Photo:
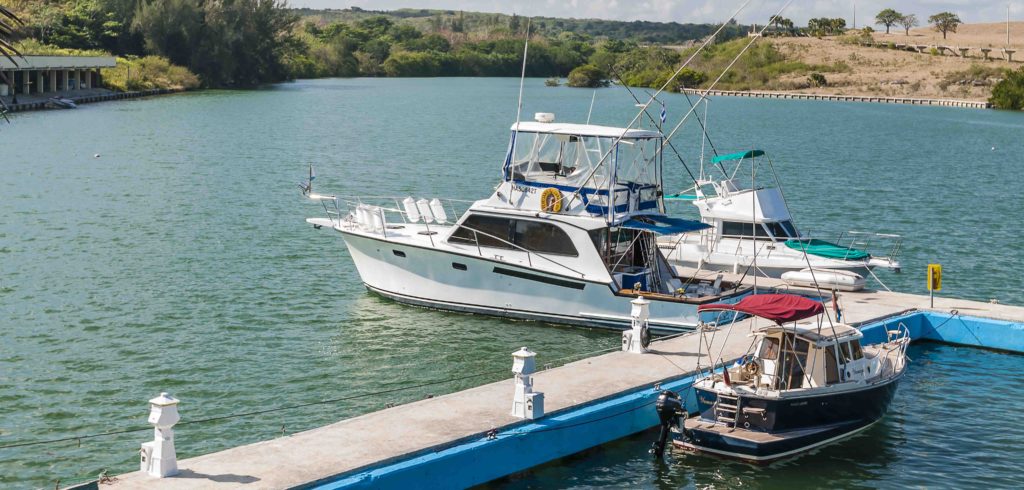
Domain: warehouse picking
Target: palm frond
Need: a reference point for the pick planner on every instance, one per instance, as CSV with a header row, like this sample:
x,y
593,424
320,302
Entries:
x,y
8,21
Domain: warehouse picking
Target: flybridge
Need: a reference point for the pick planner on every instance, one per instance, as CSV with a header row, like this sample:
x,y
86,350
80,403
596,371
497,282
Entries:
x,y
587,169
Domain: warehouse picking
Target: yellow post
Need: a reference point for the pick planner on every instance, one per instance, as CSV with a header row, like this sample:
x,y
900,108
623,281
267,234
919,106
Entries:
x,y
934,281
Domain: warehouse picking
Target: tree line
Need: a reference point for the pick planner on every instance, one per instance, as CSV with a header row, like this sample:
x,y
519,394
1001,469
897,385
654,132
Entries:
x,y
241,43
943,22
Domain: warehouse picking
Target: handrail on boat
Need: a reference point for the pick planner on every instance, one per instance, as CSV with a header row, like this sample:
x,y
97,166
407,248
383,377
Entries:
x,y
866,239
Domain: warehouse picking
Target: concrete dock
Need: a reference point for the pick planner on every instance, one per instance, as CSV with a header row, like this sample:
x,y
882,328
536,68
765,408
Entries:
x,y
469,437
86,96
760,94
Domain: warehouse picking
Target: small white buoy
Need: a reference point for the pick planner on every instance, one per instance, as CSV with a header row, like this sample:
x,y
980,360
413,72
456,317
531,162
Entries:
x,y
96,155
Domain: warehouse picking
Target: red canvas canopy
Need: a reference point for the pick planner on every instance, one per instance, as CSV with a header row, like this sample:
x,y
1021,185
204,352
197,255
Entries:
x,y
778,308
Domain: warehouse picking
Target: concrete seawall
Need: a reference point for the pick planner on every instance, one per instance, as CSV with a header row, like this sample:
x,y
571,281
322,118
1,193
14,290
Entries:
x,y
971,104
36,105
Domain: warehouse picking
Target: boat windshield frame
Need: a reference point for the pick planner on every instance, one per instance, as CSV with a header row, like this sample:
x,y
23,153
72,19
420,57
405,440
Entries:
x,y
594,162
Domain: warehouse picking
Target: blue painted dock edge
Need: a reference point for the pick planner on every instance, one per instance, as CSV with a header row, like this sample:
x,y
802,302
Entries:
x,y
484,458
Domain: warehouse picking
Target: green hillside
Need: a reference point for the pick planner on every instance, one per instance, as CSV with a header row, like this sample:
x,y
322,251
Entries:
x,y
490,24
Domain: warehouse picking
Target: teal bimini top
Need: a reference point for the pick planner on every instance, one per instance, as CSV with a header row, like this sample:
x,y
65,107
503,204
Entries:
x,y
737,156
821,248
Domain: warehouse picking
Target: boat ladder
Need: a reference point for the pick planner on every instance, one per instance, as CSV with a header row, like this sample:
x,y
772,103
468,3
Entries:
x,y
726,408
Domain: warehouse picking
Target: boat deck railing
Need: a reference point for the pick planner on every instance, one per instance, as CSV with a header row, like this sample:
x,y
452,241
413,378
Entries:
x,y
888,246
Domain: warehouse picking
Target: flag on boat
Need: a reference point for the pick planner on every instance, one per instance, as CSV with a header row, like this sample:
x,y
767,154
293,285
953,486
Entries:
x,y
663,113
307,187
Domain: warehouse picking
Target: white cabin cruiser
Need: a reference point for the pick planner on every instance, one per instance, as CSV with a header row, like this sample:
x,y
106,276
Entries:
x,y
801,385
568,236
751,231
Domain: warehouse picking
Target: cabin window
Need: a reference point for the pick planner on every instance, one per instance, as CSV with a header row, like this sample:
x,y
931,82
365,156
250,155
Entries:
x,y
618,247
543,237
534,236
851,351
769,349
492,232
781,229
831,366
794,361
738,229
855,349
790,229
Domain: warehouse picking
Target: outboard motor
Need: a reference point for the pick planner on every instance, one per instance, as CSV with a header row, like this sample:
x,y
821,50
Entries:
x,y
670,409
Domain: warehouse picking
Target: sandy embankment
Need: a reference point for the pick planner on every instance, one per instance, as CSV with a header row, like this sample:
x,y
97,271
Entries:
x,y
894,73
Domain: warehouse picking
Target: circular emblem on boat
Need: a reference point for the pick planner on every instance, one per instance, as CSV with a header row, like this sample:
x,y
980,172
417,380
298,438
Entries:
x,y
551,200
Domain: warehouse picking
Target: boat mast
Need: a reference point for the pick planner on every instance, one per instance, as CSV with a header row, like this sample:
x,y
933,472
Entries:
x,y
522,79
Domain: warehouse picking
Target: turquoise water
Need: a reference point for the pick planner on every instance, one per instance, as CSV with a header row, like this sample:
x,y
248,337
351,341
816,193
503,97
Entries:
x,y
178,260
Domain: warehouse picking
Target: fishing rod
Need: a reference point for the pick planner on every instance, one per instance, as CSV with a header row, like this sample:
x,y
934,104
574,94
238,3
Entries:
x,y
643,109
704,95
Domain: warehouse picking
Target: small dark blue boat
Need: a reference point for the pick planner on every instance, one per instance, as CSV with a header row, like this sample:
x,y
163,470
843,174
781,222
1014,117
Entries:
x,y
801,386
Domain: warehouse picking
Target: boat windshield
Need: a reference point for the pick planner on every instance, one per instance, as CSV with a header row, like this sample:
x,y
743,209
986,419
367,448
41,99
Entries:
x,y
630,168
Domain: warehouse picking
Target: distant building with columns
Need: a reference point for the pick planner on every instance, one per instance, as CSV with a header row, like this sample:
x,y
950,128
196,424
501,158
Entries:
x,y
32,75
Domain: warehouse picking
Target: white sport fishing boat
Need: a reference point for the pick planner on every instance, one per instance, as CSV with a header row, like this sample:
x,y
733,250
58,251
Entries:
x,y
568,236
751,231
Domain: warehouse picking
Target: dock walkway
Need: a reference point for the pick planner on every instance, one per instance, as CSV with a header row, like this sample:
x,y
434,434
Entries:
x,y
395,436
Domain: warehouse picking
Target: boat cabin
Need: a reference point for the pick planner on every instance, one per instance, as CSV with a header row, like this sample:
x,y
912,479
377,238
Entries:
x,y
800,355
806,356
589,198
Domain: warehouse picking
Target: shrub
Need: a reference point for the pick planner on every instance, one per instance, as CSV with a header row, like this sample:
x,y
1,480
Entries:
x,y
146,73
587,76
817,80
1009,92
413,64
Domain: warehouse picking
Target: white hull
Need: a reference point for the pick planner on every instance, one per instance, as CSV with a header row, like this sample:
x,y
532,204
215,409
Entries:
x,y
737,256
430,277
825,278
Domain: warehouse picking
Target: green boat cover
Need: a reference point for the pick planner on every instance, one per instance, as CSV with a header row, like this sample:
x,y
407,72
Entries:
x,y
682,197
737,156
821,248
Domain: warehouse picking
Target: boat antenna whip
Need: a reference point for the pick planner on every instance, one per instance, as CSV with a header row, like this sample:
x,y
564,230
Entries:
x,y
708,90
522,79
643,109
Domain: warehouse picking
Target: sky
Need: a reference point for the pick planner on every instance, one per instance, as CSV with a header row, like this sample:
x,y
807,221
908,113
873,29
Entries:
x,y
700,11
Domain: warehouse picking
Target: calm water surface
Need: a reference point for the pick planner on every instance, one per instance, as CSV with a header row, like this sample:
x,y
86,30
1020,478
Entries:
x,y
178,260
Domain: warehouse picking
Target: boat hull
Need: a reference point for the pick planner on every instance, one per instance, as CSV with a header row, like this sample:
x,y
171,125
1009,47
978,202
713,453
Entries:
x,y
450,281
773,260
764,452
777,428
763,269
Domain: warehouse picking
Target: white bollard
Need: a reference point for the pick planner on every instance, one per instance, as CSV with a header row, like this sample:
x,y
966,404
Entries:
x,y
525,403
637,338
157,457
